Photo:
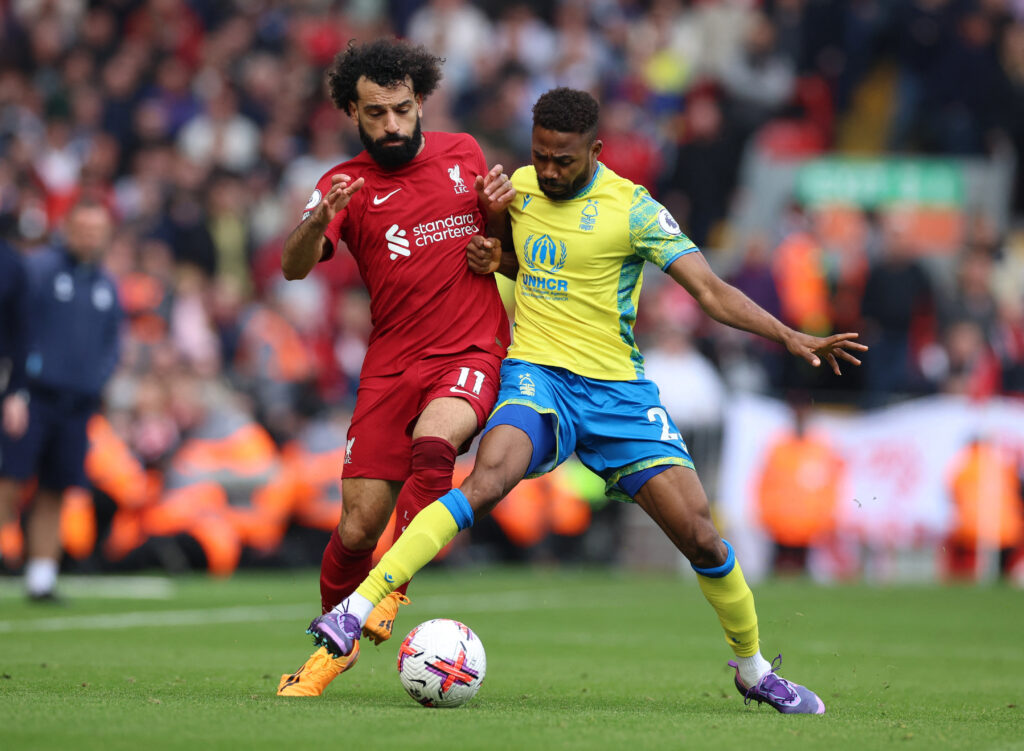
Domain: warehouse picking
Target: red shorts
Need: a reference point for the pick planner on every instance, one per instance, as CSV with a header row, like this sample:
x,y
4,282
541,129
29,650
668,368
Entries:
x,y
380,436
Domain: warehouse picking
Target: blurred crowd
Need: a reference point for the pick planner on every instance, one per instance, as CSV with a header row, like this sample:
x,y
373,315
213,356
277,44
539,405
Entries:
x,y
204,126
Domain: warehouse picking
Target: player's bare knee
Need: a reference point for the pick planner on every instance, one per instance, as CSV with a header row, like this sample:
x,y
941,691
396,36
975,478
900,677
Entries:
x,y
360,532
483,489
708,550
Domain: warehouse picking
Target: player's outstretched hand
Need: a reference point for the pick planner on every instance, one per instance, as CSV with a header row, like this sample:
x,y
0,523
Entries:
x,y
495,190
833,348
341,192
483,254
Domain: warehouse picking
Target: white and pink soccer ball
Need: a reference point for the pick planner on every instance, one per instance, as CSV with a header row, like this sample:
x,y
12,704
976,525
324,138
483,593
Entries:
x,y
442,663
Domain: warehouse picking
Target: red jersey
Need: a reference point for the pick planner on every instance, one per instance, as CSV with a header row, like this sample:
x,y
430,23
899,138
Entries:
x,y
408,229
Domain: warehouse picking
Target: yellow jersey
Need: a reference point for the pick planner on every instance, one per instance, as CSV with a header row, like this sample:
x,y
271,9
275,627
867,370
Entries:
x,y
580,271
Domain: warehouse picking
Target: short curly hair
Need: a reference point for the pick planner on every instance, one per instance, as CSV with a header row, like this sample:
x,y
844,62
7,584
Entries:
x,y
567,111
386,62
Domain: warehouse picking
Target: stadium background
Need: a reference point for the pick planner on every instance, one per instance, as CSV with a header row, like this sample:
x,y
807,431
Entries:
x,y
850,165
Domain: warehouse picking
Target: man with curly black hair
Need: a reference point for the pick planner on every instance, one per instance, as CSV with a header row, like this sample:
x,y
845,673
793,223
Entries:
x,y
574,381
407,208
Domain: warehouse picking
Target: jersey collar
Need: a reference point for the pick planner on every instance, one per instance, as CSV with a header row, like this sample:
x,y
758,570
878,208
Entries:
x,y
589,186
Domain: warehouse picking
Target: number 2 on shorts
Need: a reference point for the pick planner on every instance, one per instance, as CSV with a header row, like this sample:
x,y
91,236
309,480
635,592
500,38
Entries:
x,y
657,413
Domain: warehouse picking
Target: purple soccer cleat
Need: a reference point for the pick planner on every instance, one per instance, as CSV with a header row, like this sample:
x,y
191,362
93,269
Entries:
x,y
336,632
786,696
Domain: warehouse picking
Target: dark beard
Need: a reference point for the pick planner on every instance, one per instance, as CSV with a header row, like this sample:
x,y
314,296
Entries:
x,y
569,191
392,156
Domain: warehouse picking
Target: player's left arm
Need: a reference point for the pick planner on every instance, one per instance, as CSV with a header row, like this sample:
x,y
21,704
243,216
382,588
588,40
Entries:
x,y
730,306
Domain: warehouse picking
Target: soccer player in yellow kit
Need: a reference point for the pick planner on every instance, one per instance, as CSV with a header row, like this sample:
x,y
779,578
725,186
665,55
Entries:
x,y
574,380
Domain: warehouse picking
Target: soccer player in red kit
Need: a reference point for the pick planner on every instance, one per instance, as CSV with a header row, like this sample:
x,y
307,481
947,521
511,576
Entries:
x,y
407,208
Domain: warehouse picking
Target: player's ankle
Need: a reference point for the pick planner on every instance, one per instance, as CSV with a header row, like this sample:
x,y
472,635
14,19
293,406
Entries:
x,y
357,605
752,668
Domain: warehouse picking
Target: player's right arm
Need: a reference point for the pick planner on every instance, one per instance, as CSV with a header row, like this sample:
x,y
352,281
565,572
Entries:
x,y
728,305
493,255
486,255
307,244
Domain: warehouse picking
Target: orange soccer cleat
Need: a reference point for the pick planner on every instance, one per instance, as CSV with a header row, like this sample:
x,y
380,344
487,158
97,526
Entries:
x,y
314,675
382,619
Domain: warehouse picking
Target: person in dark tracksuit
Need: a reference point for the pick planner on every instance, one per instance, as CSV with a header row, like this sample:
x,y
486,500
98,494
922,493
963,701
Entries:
x,y
13,317
70,349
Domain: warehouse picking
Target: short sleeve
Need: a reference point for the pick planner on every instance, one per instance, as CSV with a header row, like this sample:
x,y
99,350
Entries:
x,y
653,232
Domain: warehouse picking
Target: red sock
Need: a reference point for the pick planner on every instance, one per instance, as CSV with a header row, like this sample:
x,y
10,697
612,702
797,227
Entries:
x,y
341,571
433,461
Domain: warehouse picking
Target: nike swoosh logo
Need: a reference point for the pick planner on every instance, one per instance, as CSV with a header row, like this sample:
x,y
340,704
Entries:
x,y
457,390
378,200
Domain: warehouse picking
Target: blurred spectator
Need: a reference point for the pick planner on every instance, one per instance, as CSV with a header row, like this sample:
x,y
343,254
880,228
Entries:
x,y
12,314
661,53
524,40
273,364
154,433
758,79
985,488
972,325
229,228
456,30
962,98
72,344
799,268
184,227
354,325
698,183
898,307
973,298
631,149
583,58
1011,96
692,391
172,95
756,279
504,125
220,135
927,29
191,327
145,286
971,369
798,492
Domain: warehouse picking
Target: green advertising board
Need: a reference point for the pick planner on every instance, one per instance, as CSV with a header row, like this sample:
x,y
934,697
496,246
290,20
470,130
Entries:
x,y
879,182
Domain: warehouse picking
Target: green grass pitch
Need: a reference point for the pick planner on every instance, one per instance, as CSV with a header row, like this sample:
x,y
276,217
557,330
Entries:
x,y
577,659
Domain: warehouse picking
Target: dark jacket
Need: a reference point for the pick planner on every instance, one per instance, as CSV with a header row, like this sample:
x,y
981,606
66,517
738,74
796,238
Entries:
x,y
73,342
13,303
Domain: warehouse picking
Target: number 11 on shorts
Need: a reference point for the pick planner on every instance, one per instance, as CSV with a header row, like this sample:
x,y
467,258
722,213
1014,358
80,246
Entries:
x,y
478,382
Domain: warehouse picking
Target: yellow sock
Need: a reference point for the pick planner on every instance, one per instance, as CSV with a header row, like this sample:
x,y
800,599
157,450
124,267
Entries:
x,y
732,599
432,529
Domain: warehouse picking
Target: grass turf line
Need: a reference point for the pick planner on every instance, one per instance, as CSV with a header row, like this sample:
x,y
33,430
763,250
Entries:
x,y
577,659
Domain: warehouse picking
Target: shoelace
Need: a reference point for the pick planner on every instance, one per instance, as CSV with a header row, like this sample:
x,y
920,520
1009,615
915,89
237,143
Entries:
x,y
772,686
350,625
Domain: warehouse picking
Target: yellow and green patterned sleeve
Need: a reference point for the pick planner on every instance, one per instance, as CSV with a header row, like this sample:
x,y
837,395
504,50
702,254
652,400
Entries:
x,y
654,233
